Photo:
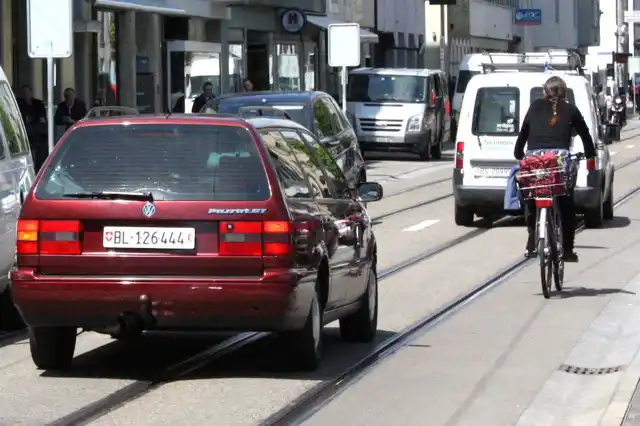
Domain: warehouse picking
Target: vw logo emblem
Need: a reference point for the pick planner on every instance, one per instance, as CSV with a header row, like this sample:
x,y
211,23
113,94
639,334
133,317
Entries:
x,y
148,210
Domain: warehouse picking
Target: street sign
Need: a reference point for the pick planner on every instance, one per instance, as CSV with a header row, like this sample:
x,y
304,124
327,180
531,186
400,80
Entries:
x,y
344,45
50,28
632,16
50,35
528,17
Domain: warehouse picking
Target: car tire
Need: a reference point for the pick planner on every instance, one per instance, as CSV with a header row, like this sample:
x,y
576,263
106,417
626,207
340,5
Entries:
x,y
425,153
52,348
304,347
463,215
436,150
594,218
10,318
362,325
608,206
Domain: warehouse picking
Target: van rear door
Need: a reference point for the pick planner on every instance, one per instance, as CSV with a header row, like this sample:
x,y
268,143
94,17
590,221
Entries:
x,y
495,124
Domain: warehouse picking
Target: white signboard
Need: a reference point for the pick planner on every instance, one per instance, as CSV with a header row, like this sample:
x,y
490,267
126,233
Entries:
x,y
344,45
50,33
634,65
632,16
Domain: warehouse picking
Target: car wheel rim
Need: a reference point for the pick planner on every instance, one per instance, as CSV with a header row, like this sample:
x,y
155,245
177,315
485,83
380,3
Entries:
x,y
315,320
373,285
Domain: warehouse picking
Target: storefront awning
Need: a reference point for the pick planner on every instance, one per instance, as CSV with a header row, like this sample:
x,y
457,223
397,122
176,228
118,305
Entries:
x,y
194,8
324,22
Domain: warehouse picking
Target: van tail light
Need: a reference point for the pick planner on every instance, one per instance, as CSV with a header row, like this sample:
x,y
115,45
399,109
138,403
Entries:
x,y
447,107
49,237
459,155
270,238
433,98
543,203
591,164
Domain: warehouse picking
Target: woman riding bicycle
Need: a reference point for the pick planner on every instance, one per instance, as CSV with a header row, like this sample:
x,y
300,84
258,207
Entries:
x,y
548,126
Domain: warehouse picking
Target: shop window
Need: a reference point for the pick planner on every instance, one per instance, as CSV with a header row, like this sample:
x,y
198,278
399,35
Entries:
x,y
106,89
236,67
288,67
310,69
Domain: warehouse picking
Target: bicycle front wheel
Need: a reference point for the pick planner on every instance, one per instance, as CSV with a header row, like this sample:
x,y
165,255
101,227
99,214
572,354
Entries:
x,y
544,253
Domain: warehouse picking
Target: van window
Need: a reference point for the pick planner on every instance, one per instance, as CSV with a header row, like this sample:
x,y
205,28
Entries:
x,y
538,93
172,161
387,88
496,111
463,79
11,122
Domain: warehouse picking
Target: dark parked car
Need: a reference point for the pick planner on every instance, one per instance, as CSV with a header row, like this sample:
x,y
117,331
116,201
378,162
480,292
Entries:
x,y
317,111
194,222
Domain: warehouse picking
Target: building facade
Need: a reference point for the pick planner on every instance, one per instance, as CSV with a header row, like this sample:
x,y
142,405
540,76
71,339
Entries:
x,y
401,27
149,53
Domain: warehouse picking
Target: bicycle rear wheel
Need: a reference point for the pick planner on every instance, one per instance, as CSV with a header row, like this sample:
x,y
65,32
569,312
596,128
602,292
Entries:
x,y
544,256
558,256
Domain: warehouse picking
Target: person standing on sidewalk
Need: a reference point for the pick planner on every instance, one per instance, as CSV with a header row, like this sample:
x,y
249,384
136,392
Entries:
x,y
34,116
71,110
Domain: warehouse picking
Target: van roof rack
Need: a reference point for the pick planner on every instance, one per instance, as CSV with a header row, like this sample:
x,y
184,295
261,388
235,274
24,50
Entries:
x,y
552,60
110,111
259,111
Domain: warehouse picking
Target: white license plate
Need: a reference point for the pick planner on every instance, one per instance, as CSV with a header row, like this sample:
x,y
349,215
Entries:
x,y
149,238
491,172
382,140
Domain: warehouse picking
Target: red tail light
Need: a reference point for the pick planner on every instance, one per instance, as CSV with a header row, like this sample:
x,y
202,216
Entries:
x,y
433,98
544,202
270,238
591,164
447,107
47,237
459,155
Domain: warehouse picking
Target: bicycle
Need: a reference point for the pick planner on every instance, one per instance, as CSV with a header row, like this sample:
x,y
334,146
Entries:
x,y
544,185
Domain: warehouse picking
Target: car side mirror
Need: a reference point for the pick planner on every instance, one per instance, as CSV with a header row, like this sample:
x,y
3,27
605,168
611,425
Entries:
x,y
369,191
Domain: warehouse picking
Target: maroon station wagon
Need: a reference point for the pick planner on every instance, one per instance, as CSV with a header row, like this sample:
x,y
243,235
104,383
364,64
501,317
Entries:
x,y
194,222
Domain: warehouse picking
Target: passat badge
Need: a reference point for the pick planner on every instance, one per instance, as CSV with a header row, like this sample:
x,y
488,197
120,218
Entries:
x,y
149,210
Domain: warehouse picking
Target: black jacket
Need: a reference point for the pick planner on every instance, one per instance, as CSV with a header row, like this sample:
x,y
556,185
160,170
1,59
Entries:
x,y
76,112
537,133
32,112
199,103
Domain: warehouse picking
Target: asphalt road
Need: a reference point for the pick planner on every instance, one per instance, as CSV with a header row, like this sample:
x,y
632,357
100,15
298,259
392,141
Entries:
x,y
494,362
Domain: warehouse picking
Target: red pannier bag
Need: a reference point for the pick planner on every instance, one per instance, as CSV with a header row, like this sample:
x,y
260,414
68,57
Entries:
x,y
551,183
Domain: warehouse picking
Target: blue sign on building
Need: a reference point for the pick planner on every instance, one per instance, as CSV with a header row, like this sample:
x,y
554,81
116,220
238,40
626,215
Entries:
x,y
528,17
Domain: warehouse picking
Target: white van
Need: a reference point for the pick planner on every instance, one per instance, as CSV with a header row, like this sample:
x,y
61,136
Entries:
x,y
16,177
493,108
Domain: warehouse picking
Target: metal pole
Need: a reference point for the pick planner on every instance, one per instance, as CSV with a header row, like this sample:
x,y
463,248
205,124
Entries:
x,y
442,38
344,89
50,84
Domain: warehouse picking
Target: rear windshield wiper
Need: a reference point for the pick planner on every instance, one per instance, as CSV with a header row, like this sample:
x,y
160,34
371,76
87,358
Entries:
x,y
133,196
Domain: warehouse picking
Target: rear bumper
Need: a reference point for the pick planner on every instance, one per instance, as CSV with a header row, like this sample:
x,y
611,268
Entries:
x,y
412,142
216,304
492,198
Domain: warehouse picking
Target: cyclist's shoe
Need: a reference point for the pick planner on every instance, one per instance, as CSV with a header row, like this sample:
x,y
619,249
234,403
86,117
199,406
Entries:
x,y
530,251
571,257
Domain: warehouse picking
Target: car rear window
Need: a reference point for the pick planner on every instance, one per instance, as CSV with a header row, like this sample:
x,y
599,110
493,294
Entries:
x,y
174,162
297,111
538,93
496,111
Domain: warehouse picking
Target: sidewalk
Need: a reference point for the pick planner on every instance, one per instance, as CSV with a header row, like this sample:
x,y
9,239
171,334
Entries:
x,y
594,385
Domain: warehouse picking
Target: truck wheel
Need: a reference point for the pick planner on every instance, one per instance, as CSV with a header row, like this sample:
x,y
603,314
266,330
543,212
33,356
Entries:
x,y
463,215
594,218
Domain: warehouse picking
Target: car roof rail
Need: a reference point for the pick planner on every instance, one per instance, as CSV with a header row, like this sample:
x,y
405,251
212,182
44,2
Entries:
x,y
108,111
552,60
259,111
